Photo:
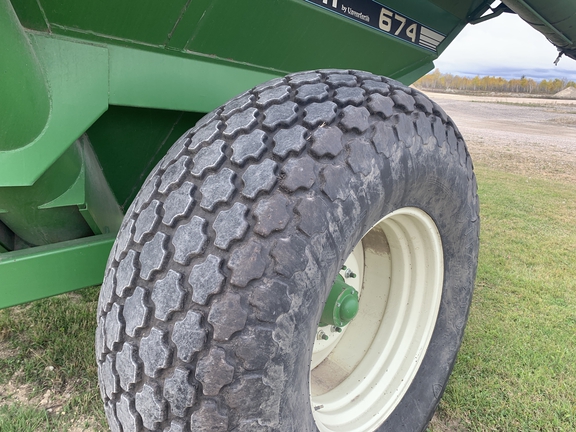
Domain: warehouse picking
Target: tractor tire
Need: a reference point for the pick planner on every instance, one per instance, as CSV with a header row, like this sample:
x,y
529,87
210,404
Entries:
x,y
209,311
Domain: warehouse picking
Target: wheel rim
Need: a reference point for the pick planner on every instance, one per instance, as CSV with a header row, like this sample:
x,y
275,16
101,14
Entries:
x,y
359,377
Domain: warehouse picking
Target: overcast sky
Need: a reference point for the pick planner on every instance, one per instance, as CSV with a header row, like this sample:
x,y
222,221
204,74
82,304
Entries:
x,y
505,46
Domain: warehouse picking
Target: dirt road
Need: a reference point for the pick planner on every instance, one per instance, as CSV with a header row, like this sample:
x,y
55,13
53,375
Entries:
x,y
535,137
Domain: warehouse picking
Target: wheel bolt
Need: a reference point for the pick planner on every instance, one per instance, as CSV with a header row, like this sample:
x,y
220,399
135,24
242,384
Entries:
x,y
322,336
349,274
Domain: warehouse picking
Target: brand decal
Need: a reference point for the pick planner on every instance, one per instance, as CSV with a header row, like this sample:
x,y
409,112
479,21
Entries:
x,y
384,19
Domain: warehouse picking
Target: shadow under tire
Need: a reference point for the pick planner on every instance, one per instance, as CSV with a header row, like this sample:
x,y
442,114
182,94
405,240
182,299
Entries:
x,y
208,315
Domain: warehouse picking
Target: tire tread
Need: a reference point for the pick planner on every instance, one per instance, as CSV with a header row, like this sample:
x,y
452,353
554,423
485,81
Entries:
x,y
199,305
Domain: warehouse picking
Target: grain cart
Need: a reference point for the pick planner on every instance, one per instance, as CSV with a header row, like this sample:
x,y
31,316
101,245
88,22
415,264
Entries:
x,y
302,257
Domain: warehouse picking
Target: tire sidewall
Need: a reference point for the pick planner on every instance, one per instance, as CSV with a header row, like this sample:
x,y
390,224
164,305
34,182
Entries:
x,y
432,179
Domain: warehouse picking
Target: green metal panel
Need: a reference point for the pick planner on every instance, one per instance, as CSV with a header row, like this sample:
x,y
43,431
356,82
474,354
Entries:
x,y
45,212
160,80
70,200
90,192
556,20
81,81
21,83
188,26
30,14
6,238
458,8
147,21
130,141
295,35
280,36
100,209
77,75
44,271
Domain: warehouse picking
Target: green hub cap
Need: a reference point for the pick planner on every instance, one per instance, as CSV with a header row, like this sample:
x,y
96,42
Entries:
x,y
341,306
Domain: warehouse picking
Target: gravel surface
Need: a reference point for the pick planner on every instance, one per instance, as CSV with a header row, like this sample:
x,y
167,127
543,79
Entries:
x,y
534,137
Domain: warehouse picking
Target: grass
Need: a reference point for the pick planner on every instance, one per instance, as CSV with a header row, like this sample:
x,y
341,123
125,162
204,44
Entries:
x,y
516,370
47,368
17,418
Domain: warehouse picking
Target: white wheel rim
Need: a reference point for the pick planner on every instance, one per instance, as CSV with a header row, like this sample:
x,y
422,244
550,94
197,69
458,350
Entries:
x,y
360,376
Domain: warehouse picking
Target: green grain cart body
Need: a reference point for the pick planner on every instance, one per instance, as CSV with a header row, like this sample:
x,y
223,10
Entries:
x,y
94,94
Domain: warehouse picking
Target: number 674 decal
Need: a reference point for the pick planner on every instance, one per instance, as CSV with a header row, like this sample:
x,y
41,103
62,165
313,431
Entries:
x,y
373,14
397,24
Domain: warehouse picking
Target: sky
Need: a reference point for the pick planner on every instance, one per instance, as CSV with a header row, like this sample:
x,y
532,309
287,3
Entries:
x,y
505,46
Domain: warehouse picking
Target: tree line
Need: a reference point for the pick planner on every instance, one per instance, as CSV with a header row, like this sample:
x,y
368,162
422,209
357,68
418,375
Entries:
x,y
437,80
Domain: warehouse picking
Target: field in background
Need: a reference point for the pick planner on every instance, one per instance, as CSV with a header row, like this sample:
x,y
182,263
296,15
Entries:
x,y
516,370
438,81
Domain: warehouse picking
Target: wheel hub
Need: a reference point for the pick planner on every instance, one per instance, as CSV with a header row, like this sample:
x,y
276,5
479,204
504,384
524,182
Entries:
x,y
358,376
342,304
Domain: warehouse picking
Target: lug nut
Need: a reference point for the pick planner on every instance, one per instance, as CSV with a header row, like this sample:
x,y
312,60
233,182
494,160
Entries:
x,y
349,274
322,336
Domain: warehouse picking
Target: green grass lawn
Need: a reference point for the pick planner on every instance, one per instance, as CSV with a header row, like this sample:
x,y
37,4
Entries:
x,y
48,378
516,370
517,367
